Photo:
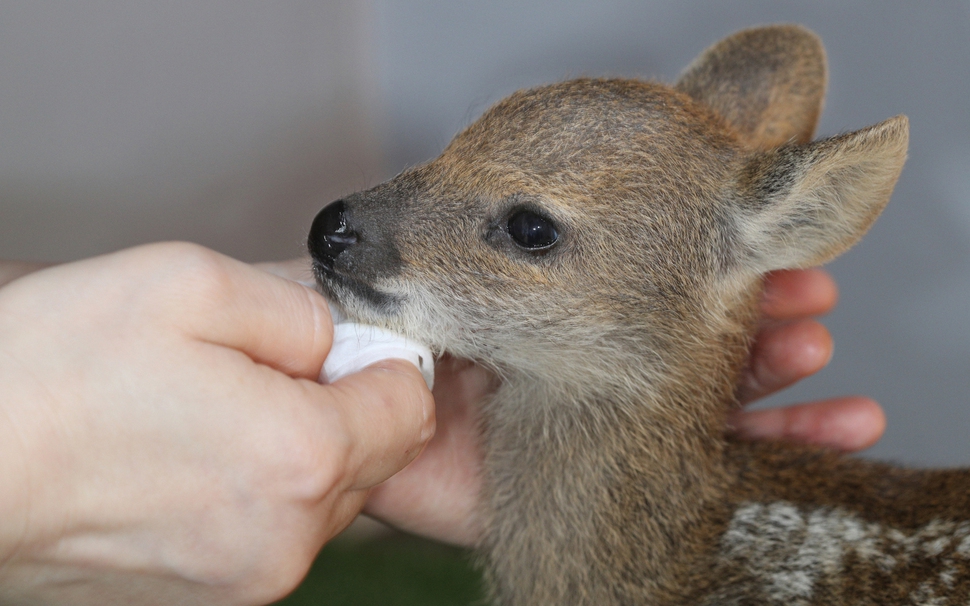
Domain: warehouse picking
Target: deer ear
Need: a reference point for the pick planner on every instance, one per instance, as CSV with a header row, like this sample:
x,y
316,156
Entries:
x,y
767,82
803,205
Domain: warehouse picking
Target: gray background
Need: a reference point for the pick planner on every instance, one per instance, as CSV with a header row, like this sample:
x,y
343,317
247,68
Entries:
x,y
230,122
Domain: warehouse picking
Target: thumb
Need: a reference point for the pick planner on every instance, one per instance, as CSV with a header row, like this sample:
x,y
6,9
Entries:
x,y
385,414
225,302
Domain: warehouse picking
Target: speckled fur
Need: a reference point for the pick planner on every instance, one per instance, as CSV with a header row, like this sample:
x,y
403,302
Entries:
x,y
608,478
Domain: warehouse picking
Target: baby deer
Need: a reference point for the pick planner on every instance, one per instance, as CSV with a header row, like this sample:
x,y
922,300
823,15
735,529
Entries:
x,y
601,244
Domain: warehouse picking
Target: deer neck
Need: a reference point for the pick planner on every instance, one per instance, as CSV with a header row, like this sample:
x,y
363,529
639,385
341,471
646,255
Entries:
x,y
579,482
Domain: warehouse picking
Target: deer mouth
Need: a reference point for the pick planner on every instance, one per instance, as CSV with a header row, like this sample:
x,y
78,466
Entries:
x,y
350,292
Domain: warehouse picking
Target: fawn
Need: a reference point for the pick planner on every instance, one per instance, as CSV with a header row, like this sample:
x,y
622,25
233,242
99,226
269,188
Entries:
x,y
600,244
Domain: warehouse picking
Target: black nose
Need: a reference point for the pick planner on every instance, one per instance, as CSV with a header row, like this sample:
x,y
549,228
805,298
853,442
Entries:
x,y
331,234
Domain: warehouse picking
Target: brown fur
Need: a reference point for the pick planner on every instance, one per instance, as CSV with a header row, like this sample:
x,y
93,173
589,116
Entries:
x,y
608,476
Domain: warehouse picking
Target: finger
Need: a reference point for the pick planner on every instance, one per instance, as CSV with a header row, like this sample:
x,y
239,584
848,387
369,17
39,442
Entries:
x,y
802,293
461,384
437,495
847,424
217,299
384,416
783,355
11,270
296,270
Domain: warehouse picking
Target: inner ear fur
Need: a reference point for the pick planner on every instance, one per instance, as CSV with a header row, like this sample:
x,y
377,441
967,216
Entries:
x,y
802,205
767,82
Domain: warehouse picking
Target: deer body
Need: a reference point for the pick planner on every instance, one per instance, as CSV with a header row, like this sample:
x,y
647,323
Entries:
x,y
600,244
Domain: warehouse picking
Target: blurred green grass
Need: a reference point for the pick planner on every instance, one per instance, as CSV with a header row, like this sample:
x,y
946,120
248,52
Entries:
x,y
389,570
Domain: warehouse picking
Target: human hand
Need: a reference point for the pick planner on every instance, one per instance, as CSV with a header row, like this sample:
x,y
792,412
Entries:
x,y
790,346
163,439
11,270
437,494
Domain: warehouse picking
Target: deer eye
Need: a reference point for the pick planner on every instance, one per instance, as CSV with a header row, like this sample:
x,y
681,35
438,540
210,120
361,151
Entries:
x,y
532,231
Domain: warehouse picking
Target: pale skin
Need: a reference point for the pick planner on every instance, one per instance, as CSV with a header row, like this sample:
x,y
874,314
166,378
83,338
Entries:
x,y
162,438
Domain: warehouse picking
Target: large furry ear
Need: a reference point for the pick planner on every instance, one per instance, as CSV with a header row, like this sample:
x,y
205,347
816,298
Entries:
x,y
767,82
803,205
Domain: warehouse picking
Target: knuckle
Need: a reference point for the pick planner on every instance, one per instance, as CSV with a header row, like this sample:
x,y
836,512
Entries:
x,y
266,579
280,578
173,255
201,269
187,274
331,465
314,461
290,572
